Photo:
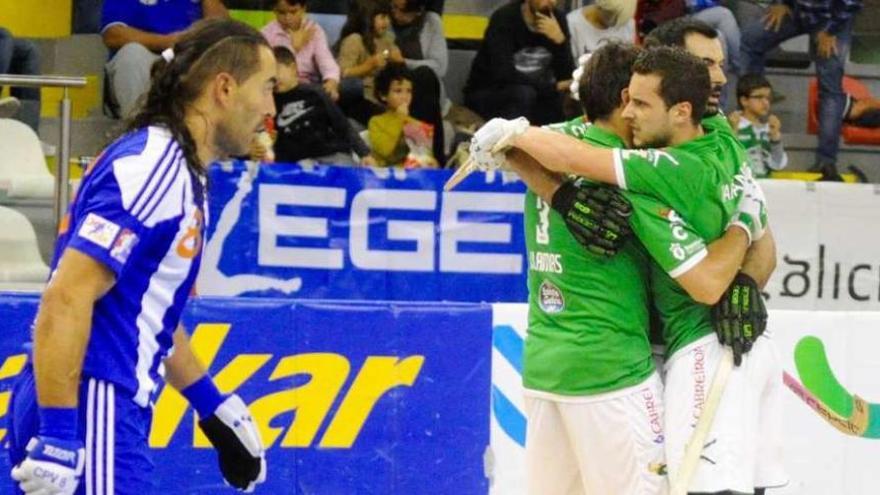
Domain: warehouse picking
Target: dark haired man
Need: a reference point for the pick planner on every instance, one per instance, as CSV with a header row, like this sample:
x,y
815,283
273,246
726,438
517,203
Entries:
x,y
125,263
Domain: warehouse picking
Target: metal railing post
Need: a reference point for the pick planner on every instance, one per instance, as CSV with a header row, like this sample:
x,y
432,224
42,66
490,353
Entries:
x,y
62,165
62,169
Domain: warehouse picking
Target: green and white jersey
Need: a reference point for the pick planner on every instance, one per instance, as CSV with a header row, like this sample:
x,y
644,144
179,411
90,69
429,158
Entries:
x,y
697,180
588,315
755,138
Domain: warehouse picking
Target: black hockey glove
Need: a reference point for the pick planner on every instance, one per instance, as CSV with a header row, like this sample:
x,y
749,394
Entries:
x,y
740,317
596,215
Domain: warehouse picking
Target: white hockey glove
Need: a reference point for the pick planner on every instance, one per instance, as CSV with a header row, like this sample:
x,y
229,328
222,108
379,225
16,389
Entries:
x,y
240,452
53,466
751,213
577,74
489,142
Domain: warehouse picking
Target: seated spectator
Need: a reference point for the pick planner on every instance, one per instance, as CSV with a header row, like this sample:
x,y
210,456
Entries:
x,y
308,124
602,21
398,139
365,46
759,130
419,35
20,57
829,25
524,64
306,38
136,32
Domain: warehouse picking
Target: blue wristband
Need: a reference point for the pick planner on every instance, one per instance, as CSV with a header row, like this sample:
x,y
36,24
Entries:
x,y
58,422
204,396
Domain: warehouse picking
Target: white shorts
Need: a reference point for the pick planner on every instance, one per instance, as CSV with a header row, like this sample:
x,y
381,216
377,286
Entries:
x,y
744,448
596,445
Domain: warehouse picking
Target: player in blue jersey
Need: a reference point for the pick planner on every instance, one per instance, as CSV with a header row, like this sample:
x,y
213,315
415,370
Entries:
x,y
107,328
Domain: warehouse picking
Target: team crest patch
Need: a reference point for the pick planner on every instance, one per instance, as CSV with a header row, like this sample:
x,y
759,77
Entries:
x,y
123,245
98,230
550,298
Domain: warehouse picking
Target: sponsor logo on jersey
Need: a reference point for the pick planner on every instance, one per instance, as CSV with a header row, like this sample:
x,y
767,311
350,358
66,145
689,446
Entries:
x,y
99,230
654,416
550,298
123,245
699,373
651,155
540,261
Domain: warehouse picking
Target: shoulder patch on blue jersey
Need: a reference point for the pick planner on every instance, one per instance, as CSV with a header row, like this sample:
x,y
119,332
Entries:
x,y
99,230
123,245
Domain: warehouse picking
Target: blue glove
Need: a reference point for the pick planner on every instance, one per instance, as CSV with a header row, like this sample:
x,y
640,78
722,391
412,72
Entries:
x,y
53,466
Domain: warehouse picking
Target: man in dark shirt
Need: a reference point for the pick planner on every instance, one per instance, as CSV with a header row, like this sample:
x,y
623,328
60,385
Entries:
x,y
829,24
524,65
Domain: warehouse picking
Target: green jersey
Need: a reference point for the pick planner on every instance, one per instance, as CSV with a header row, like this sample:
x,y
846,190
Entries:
x,y
755,138
588,314
698,180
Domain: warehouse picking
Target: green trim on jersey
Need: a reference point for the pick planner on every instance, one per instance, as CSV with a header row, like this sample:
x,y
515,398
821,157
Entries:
x,y
697,179
588,314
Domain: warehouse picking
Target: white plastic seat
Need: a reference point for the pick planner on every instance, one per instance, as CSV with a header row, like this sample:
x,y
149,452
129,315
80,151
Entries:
x,y
20,259
23,170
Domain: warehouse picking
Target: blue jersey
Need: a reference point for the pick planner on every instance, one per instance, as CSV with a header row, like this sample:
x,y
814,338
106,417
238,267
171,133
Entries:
x,y
155,16
139,211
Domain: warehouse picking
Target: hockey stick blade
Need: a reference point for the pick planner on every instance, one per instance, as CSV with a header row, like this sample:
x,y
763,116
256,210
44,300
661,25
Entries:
x,y
469,165
694,447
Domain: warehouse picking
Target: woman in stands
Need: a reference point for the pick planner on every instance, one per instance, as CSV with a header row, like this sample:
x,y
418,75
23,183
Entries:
x,y
366,45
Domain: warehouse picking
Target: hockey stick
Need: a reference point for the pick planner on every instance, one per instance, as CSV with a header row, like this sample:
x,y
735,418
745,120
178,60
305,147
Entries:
x,y
695,444
856,424
470,165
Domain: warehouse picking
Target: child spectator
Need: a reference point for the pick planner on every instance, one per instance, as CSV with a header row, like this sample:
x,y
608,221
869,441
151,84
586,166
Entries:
x,y
395,136
308,124
305,38
758,129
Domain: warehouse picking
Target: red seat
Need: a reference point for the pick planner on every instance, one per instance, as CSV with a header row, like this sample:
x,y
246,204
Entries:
x,y
851,134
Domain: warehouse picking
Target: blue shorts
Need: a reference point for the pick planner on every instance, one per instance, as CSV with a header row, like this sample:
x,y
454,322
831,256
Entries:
x,y
114,429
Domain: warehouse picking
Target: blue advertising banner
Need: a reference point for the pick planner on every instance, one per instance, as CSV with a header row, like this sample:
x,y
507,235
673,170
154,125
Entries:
x,y
350,397
360,233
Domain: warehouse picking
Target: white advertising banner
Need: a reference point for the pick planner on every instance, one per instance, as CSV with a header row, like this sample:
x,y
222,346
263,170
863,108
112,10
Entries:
x,y
832,427
828,245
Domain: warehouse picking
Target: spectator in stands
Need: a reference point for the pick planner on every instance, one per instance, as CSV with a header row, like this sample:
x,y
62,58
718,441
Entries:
x,y
20,57
136,32
306,38
365,46
524,64
419,35
397,138
759,130
308,124
829,24
599,22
